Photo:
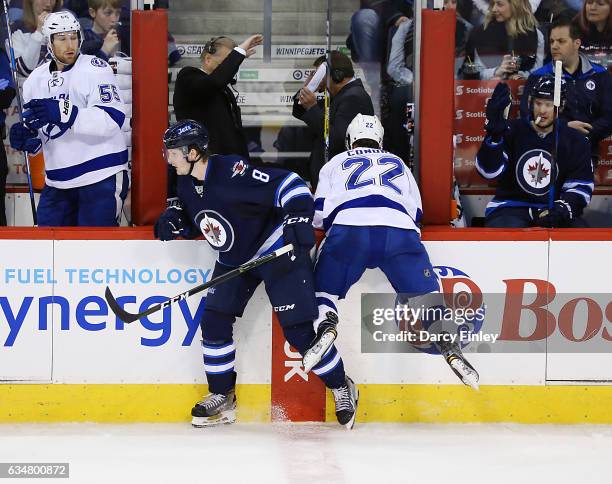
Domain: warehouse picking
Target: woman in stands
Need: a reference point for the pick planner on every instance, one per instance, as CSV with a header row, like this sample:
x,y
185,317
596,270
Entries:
x,y
595,23
30,50
508,45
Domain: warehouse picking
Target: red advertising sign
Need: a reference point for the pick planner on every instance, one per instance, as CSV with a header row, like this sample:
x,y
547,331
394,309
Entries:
x,y
296,395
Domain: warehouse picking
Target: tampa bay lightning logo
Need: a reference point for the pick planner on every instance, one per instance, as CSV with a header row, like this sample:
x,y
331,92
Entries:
x,y
217,231
97,62
55,81
533,172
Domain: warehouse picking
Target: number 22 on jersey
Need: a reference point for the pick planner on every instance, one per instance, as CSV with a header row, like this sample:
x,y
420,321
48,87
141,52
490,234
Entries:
x,y
360,167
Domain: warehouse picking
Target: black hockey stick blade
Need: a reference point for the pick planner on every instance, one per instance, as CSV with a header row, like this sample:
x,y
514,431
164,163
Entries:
x,y
128,317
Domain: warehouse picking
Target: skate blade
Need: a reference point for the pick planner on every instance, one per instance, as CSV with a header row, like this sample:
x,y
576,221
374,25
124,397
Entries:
x,y
349,425
227,417
468,376
313,356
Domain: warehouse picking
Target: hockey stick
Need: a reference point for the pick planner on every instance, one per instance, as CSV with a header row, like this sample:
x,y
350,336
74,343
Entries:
x,y
327,85
20,107
557,104
127,317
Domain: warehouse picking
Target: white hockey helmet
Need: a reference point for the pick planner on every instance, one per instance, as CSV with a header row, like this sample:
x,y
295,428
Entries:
x,y
58,22
364,127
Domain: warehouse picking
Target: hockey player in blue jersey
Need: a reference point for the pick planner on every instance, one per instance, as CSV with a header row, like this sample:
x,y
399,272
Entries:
x,y
517,153
74,112
244,213
369,205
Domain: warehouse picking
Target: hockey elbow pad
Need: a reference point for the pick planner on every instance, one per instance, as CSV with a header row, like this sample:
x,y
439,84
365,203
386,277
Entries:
x,y
298,230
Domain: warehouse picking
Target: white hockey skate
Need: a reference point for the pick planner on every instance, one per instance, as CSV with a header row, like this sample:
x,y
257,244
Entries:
x,y
326,335
461,367
346,399
214,409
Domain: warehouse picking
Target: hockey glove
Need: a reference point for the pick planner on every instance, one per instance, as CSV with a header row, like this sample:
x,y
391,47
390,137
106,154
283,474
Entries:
x,y
4,83
497,111
40,112
560,215
170,225
23,138
298,230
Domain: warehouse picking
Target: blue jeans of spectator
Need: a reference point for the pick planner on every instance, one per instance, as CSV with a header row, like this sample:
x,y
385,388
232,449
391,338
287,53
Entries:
x,y
366,32
96,205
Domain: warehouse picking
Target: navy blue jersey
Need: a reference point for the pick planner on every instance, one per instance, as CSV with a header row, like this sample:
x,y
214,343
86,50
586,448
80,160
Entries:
x,y
240,208
521,163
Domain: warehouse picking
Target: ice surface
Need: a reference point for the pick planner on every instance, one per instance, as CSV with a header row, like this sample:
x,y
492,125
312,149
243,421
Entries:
x,y
316,453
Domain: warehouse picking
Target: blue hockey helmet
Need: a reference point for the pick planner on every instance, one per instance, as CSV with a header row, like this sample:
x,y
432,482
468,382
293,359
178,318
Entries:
x,y
187,134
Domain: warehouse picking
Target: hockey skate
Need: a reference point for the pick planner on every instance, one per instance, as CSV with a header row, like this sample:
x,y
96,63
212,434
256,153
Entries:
x,y
326,335
461,367
346,398
214,409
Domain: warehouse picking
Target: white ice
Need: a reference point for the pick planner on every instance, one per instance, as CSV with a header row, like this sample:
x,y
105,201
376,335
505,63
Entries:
x,y
316,453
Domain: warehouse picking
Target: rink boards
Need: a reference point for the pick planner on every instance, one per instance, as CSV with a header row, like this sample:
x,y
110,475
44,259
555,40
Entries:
x,y
66,357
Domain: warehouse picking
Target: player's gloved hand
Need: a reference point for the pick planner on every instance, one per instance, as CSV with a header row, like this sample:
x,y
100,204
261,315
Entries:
x,y
497,111
4,83
170,225
40,112
23,138
560,215
298,230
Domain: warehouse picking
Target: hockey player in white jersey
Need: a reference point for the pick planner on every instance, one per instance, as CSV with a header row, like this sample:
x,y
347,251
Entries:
x,y
74,112
369,205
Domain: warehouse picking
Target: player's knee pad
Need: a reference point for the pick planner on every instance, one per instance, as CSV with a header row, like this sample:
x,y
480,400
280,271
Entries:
x,y
216,327
300,335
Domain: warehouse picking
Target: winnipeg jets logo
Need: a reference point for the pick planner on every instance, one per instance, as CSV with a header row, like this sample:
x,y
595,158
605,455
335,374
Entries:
x,y
240,168
533,172
590,85
216,230
538,171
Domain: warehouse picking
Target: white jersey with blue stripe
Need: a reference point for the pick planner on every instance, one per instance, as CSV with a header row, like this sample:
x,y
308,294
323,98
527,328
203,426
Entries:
x,y
93,148
367,187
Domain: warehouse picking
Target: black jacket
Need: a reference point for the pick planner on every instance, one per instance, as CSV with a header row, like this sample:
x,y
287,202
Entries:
x,y
209,100
351,100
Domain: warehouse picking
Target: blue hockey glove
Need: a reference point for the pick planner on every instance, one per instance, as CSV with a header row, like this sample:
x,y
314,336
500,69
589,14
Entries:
x,y
40,112
497,111
560,215
298,230
170,225
23,138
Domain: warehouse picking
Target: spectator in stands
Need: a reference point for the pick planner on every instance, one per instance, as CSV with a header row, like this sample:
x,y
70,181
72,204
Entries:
x,y
348,98
7,94
30,50
371,27
508,45
204,94
589,86
400,68
518,155
102,39
475,11
595,22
